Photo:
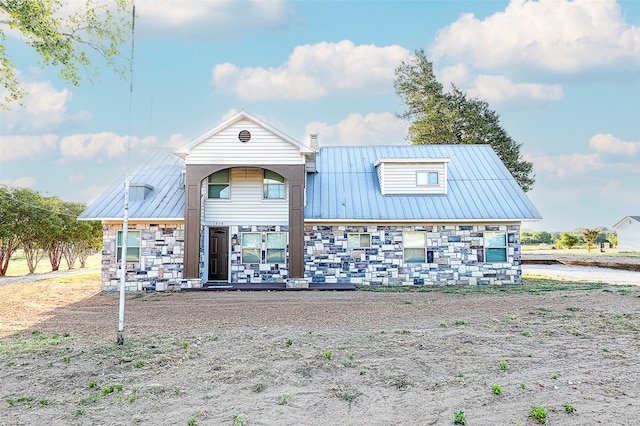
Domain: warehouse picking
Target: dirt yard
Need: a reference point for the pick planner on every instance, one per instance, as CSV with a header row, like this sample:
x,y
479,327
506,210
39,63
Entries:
x,y
319,358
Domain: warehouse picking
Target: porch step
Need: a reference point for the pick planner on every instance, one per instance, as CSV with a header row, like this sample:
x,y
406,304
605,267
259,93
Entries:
x,y
213,286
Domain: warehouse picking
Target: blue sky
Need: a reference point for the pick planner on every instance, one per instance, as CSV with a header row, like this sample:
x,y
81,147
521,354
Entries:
x,y
564,77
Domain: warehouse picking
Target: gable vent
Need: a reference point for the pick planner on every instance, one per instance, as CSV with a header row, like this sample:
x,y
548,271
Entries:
x,y
244,136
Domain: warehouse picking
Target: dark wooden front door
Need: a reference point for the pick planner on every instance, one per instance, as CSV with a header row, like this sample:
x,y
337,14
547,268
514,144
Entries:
x,y
218,254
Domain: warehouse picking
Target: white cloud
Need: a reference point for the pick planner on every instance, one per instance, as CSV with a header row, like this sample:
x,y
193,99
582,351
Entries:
x,y
84,146
313,71
495,88
76,178
356,129
176,140
22,182
553,35
565,165
607,143
90,194
214,19
14,147
43,107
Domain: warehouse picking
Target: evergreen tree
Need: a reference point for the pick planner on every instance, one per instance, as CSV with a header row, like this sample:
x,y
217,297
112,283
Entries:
x,y
438,117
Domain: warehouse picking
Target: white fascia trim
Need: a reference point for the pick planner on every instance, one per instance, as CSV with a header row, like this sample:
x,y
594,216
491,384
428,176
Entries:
x,y
411,160
136,220
405,221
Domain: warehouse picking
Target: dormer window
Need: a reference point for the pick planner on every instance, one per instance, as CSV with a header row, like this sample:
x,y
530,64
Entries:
x,y
411,176
425,178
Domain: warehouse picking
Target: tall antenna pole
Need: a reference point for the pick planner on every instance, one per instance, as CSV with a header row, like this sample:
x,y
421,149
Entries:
x,y
125,221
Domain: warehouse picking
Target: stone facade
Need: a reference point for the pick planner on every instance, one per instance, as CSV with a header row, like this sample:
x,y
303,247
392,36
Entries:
x,y
457,253
456,256
160,261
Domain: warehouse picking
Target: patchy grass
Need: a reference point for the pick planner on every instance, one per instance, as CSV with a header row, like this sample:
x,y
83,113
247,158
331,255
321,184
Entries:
x,y
529,285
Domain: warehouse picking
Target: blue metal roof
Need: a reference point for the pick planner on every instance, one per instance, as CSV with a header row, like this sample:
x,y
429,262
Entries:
x,y
163,172
479,186
346,187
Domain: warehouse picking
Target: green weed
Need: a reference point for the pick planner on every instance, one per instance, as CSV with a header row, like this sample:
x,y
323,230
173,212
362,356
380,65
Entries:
x,y
79,411
569,409
133,398
328,355
288,342
193,422
92,397
238,421
285,399
459,418
496,389
461,322
538,413
92,385
503,365
185,345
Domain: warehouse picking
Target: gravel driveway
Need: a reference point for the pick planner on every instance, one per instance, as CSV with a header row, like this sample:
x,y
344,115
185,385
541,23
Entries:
x,y
583,273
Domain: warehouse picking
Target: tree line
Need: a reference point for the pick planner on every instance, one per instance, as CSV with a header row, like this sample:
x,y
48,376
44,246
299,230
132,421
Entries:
x,y
44,226
588,237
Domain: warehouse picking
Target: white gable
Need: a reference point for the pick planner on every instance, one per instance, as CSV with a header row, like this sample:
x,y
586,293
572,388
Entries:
x,y
243,139
628,230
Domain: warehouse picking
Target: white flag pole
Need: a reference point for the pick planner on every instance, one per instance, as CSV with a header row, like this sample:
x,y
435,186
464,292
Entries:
x,y
125,221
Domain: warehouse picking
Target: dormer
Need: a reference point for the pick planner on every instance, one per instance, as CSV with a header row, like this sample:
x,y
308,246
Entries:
x,y
404,176
138,191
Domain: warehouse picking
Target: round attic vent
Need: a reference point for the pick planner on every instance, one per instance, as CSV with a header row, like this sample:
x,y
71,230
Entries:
x,y
244,136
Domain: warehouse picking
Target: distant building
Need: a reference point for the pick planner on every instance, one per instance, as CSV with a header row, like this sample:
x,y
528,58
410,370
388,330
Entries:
x,y
628,230
246,205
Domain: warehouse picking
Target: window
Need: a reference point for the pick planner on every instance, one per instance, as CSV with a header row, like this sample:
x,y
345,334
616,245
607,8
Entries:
x,y
133,246
219,184
426,178
273,185
276,244
414,246
359,240
251,247
495,247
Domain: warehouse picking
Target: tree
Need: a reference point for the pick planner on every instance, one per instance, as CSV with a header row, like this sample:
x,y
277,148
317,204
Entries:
x,y
613,238
62,38
542,237
9,240
568,240
590,236
80,237
437,117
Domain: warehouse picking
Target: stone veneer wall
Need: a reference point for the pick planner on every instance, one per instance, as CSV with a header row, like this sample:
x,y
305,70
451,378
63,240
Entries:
x,y
161,259
458,256
243,273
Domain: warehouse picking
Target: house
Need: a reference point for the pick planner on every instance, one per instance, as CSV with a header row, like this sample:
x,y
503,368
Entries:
x,y
245,204
628,230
